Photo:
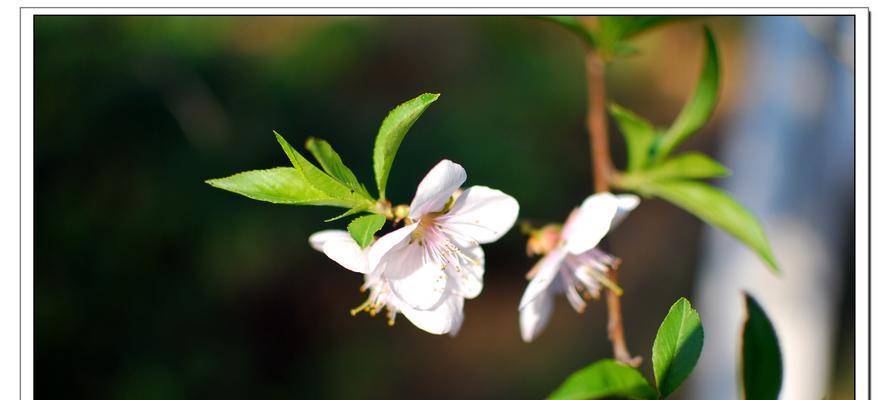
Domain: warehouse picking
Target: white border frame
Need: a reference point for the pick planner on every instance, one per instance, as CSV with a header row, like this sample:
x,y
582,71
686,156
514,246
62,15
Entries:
x,y
25,343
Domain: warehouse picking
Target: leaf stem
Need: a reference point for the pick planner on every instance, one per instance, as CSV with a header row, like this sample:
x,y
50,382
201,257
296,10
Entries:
x,y
603,171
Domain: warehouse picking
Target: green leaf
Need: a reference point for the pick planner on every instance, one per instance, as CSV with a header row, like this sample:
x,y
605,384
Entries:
x,y
715,207
363,228
281,185
691,165
319,181
332,164
603,379
391,133
677,346
699,106
572,24
760,355
637,132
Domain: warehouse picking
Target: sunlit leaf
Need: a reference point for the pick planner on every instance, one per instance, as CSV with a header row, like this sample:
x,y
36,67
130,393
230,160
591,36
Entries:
x,y
363,228
677,346
637,132
572,24
760,355
718,208
281,185
332,164
700,104
391,133
605,378
319,181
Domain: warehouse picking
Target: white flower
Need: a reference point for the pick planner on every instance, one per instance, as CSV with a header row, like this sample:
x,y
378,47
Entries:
x,y
339,245
438,252
580,266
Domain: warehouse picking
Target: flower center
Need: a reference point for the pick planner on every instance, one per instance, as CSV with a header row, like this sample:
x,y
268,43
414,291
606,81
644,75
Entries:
x,y
376,301
438,245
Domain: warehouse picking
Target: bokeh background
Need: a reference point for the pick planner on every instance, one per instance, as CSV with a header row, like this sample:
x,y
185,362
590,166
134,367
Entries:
x,y
150,284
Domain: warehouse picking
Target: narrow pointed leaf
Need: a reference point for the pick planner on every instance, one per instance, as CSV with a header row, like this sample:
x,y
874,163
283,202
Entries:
x,y
332,164
392,132
281,185
700,104
718,208
603,379
677,346
762,371
351,211
690,165
363,228
638,133
572,24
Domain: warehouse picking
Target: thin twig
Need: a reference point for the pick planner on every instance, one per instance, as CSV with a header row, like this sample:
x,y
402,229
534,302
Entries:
x,y
597,127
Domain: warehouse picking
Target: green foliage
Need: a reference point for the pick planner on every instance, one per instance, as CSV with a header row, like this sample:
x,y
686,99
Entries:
x,y
280,185
651,170
677,346
363,228
572,24
760,355
718,208
610,35
391,133
332,164
602,379
638,133
699,106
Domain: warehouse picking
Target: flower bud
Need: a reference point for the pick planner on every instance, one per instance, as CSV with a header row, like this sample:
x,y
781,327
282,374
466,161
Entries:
x,y
544,240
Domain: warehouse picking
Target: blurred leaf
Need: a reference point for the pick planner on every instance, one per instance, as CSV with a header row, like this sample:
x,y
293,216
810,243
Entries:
x,y
691,165
572,24
280,185
717,208
700,104
323,183
332,164
603,379
637,132
677,346
363,228
391,133
619,27
760,355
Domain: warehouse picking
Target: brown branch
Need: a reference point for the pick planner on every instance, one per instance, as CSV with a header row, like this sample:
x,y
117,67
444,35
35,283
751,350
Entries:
x,y
597,127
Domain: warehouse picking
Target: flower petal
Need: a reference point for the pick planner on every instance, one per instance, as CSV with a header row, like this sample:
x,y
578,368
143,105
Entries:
x,y
446,317
625,204
436,188
585,229
468,281
546,270
385,244
482,214
534,316
340,247
416,283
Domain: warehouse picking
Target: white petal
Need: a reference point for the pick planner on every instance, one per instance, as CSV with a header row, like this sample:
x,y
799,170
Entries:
x,y
318,239
625,204
534,316
591,222
542,282
436,188
482,214
446,317
385,244
469,280
419,285
342,248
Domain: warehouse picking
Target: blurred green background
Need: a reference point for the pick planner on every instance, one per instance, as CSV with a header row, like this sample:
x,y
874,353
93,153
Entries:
x,y
150,284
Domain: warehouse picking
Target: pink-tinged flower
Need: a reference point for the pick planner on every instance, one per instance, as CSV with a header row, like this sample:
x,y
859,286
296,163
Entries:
x,y
573,265
438,252
445,317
